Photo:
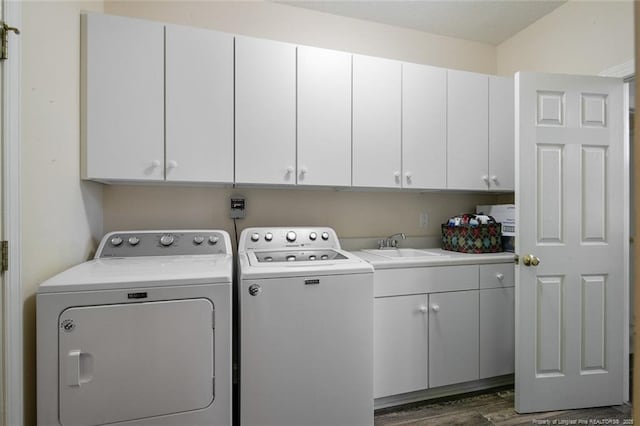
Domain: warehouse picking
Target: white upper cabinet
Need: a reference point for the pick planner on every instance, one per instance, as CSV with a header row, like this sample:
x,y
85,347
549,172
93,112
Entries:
x,y
501,134
468,130
424,127
324,117
199,105
122,98
377,104
265,89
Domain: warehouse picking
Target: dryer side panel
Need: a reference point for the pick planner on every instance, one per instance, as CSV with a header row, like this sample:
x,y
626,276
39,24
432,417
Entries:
x,y
133,361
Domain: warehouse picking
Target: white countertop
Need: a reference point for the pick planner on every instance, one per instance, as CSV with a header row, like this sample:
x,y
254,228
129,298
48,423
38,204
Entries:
x,y
446,258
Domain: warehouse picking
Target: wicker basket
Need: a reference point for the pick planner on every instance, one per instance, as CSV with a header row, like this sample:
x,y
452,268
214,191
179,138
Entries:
x,y
473,239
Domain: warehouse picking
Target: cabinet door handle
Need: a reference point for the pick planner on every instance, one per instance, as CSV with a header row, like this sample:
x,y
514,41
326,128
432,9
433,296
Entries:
x,y
173,164
396,176
435,308
485,178
499,276
494,179
155,163
424,309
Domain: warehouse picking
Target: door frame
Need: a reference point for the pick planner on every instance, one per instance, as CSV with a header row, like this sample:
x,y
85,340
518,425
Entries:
x,y
11,222
626,70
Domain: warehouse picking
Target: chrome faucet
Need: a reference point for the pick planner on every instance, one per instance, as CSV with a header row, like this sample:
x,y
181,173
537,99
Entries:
x,y
390,241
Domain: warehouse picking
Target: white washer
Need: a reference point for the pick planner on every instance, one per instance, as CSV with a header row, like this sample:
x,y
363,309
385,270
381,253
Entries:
x,y
306,330
140,335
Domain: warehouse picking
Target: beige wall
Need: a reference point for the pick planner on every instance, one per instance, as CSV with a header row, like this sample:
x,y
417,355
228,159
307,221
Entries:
x,y
350,213
302,26
61,216
580,37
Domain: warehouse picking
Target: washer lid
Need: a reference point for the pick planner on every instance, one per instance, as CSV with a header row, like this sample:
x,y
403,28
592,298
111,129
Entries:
x,y
132,272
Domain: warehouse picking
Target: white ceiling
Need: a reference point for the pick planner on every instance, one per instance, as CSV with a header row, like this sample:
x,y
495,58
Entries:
x,y
487,21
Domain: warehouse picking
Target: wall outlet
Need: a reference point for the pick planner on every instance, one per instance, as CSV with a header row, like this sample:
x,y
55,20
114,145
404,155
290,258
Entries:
x,y
238,207
424,220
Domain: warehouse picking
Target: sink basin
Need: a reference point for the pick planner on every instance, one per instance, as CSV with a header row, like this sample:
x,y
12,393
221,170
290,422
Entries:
x,y
404,253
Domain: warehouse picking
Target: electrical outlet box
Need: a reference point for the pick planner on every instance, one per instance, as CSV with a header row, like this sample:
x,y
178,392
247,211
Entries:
x,y
238,207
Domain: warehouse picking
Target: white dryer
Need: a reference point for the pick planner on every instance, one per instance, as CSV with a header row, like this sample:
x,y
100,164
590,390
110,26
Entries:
x,y
140,335
306,330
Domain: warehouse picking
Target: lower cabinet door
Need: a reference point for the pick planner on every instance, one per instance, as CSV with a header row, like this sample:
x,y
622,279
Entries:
x,y
400,325
497,335
453,337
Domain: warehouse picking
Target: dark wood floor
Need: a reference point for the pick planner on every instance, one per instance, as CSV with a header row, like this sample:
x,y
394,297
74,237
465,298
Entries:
x,y
494,408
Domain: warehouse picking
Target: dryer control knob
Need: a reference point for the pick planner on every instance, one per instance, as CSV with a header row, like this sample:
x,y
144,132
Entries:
x,y
213,240
134,241
116,241
166,240
313,236
325,236
291,236
255,237
268,236
198,239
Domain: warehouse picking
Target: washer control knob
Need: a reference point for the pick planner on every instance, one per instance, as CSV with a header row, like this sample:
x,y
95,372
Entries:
x,y
268,236
166,240
255,237
291,236
198,239
325,236
116,241
313,236
213,239
134,241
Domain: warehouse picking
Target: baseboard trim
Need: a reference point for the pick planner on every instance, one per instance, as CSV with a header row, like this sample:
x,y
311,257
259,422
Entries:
x,y
443,391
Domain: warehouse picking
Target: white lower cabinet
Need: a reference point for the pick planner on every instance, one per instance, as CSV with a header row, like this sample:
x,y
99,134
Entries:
x,y
400,327
453,337
442,325
497,332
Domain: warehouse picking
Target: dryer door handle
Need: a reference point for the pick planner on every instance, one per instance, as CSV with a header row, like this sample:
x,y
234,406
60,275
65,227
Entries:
x,y
79,368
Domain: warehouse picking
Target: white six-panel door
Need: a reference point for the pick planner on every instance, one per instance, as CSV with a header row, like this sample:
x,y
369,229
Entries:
x,y
569,200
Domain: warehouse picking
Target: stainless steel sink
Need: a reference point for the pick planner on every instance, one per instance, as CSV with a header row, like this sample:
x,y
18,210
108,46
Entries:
x,y
404,253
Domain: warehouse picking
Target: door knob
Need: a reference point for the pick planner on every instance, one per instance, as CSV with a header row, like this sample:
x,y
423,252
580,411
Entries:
x,y
424,309
530,260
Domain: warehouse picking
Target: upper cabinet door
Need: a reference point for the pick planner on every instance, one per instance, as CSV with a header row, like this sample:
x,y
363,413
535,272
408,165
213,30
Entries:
x,y
501,133
467,128
122,98
324,117
199,102
265,111
424,128
376,122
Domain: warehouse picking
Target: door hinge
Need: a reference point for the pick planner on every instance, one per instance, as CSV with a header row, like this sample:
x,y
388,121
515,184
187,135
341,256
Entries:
x,y
516,259
4,247
4,33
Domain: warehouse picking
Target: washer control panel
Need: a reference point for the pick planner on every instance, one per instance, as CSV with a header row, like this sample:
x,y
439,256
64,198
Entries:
x,y
281,237
164,243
